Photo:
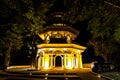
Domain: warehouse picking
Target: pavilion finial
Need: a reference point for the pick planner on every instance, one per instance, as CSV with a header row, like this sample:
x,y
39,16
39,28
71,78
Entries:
x,y
57,19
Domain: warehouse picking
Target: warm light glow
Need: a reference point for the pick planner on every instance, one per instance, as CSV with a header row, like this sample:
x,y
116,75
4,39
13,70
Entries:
x,y
43,49
92,65
59,24
51,49
70,56
73,46
18,67
58,15
80,61
79,51
71,59
46,65
69,65
64,49
76,63
99,75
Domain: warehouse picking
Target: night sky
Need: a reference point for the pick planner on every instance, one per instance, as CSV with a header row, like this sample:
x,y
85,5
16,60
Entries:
x,y
84,35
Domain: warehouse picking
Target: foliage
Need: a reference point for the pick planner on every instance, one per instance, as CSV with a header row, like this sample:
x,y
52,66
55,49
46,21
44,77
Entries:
x,y
117,34
11,40
21,21
103,24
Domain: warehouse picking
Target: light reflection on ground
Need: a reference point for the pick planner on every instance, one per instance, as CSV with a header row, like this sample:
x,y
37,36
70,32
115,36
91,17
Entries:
x,y
28,73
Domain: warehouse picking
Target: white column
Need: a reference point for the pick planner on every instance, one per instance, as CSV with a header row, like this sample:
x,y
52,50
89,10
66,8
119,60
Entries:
x,y
65,61
39,62
72,60
51,61
46,61
77,61
80,59
42,62
54,61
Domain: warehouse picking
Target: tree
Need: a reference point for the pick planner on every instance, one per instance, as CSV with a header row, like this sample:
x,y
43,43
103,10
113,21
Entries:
x,y
103,32
21,21
11,41
103,23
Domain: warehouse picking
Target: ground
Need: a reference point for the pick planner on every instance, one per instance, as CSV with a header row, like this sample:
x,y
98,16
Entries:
x,y
113,75
28,74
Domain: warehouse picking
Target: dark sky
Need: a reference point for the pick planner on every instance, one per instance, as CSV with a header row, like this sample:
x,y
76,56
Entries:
x,y
84,35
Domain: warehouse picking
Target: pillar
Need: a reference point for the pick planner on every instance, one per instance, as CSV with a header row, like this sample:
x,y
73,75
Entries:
x,y
72,55
79,57
69,61
42,66
80,60
65,61
46,61
54,62
77,61
74,62
39,63
51,61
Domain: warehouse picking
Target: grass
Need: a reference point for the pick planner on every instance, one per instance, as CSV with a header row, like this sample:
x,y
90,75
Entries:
x,y
113,75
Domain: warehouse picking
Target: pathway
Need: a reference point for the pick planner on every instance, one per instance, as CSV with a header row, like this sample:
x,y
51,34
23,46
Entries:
x,y
24,73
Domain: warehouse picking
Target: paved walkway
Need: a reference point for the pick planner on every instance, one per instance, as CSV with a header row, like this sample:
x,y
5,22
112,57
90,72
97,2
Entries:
x,y
91,76
24,73
113,74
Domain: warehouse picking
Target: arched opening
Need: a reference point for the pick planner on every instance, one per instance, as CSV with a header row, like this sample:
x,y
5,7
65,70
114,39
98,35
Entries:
x,y
58,61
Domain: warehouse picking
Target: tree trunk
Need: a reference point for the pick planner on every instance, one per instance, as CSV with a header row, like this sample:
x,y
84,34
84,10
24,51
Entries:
x,y
7,55
105,57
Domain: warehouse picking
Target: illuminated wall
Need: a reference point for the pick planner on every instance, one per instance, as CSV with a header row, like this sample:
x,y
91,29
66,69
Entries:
x,y
70,58
58,42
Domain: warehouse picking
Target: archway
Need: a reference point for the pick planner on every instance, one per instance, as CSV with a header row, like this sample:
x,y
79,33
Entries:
x,y
58,61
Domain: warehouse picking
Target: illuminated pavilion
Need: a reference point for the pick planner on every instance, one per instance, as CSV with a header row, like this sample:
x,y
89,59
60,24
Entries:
x,y
58,49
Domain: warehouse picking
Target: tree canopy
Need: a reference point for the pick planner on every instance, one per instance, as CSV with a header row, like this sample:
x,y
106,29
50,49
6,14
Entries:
x,y
103,23
22,20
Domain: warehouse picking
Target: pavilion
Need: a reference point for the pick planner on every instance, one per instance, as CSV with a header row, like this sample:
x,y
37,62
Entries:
x,y
58,49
